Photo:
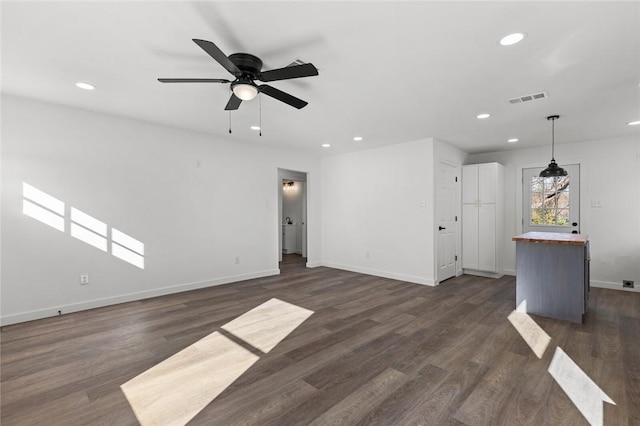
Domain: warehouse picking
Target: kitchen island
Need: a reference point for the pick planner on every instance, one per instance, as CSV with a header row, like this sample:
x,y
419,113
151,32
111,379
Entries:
x,y
552,274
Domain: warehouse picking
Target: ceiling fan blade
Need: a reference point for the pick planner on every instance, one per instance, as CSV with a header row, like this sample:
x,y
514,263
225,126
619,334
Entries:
x,y
193,80
297,71
219,56
282,96
234,103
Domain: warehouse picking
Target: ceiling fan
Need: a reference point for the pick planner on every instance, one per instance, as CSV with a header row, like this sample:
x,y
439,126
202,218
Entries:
x,y
246,69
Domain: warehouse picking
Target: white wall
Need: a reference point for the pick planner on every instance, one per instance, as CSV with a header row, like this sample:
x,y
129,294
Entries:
x,y
373,217
610,173
142,179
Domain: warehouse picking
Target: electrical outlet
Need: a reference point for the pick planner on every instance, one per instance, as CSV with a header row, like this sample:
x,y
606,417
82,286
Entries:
x,y
84,279
627,283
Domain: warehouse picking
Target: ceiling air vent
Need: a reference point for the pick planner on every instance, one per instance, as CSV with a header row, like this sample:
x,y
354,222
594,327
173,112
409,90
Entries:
x,y
528,98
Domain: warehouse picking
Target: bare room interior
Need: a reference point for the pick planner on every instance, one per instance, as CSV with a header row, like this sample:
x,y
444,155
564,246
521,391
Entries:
x,y
320,212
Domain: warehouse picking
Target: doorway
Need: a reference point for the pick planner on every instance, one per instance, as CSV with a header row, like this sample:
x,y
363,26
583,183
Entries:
x,y
292,219
551,204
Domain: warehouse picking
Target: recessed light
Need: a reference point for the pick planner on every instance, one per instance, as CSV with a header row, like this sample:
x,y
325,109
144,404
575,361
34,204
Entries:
x,y
483,115
633,123
357,138
85,86
326,145
255,127
512,140
511,39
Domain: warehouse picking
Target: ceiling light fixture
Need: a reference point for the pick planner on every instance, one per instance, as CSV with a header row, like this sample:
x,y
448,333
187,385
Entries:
x,y
553,170
483,116
357,138
255,127
512,140
633,123
245,90
326,145
85,86
511,39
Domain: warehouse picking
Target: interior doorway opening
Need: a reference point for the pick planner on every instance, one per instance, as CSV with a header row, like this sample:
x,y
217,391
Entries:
x,y
292,220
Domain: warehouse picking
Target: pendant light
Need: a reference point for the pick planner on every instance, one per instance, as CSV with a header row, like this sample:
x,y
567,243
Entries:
x,y
553,170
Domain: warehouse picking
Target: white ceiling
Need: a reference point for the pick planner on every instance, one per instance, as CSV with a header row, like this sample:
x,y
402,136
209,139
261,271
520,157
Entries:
x,y
389,71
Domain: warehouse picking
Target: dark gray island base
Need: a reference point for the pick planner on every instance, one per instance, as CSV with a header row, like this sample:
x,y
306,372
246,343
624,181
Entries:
x,y
552,274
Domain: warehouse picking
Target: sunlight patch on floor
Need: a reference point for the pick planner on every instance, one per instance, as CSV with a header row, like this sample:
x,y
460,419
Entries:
x,y
174,391
177,389
581,390
576,384
266,325
537,339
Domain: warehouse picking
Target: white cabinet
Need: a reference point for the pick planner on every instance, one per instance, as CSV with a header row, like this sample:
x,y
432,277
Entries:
x,y
482,219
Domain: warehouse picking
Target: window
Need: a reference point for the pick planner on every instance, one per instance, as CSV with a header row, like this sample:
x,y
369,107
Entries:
x,y
551,204
550,200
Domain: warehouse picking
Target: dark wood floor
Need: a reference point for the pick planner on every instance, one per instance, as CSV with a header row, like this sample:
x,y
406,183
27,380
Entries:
x,y
376,351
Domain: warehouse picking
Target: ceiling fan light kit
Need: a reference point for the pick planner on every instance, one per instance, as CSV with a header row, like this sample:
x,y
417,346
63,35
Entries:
x,y
553,170
245,91
247,68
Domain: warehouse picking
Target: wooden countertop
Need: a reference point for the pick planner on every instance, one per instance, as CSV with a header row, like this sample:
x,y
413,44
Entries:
x,y
552,238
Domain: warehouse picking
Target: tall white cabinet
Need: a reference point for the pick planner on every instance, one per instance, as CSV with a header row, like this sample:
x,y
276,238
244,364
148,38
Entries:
x,y
482,219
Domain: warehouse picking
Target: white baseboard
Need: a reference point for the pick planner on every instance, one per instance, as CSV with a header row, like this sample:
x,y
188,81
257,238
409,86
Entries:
x,y
511,272
481,273
314,264
384,274
129,297
613,286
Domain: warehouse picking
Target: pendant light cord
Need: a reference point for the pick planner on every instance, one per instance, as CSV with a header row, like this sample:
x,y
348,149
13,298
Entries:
x,y
553,135
553,171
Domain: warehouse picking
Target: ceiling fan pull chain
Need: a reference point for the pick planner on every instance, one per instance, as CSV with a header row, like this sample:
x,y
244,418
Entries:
x,y
229,121
260,119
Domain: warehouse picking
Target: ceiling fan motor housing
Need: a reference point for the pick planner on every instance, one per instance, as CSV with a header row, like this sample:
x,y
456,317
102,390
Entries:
x,y
249,64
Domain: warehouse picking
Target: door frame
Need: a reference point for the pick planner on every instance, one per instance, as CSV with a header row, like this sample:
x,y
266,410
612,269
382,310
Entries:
x,y
458,213
296,176
518,182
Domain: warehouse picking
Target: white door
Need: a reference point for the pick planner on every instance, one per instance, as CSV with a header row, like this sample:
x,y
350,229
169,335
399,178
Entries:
x,y
446,221
551,204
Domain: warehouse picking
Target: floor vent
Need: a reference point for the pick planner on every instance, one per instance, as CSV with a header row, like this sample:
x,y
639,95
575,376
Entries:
x,y
528,98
